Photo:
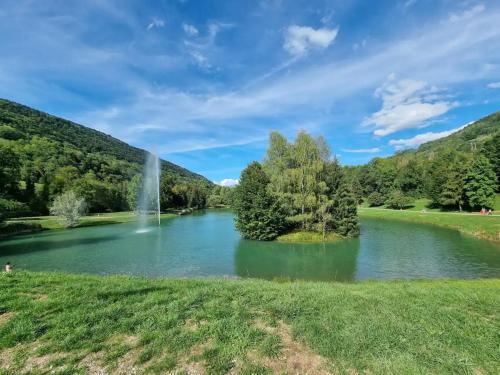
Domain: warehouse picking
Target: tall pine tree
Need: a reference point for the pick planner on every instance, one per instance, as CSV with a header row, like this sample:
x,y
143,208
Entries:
x,y
480,183
258,214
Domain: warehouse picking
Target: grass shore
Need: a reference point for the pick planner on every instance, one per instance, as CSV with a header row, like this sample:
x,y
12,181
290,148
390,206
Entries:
x,y
308,237
52,222
70,324
486,227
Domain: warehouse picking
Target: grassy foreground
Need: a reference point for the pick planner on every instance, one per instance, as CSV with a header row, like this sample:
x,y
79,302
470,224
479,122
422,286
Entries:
x,y
486,227
89,324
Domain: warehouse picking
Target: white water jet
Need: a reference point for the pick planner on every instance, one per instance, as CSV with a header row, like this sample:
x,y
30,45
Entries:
x,y
149,196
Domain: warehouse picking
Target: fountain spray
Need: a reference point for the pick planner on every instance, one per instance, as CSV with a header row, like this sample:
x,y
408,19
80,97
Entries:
x,y
149,198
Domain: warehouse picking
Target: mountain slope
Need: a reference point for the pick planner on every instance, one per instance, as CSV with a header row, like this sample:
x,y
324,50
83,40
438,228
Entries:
x,y
30,122
473,136
469,139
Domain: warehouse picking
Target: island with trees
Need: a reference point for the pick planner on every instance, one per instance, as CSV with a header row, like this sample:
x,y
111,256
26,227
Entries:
x,y
298,193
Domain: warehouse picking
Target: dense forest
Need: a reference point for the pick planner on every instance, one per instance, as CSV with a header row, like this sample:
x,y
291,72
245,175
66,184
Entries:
x,y
299,186
461,171
42,156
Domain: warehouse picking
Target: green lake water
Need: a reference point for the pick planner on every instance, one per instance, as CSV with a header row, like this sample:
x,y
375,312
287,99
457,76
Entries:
x,y
206,244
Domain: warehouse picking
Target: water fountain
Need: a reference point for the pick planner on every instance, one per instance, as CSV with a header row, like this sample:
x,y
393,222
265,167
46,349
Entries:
x,y
149,196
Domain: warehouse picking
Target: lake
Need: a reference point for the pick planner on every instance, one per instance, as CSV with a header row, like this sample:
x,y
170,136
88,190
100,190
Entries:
x,y
205,244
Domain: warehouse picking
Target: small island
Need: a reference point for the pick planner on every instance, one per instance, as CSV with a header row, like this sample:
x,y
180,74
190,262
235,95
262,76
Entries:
x,y
298,194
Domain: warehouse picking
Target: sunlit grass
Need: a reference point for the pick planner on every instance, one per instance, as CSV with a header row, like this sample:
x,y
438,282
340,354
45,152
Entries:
x,y
70,321
52,222
487,227
306,236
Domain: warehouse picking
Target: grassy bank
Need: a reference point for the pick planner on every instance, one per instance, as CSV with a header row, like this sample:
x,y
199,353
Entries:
x,y
52,222
305,236
78,324
486,227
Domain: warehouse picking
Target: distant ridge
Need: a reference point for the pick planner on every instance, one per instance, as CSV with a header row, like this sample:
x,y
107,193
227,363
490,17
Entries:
x,y
471,138
31,122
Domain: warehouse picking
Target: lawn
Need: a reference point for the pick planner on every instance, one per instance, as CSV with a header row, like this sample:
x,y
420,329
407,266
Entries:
x,y
51,222
89,324
486,227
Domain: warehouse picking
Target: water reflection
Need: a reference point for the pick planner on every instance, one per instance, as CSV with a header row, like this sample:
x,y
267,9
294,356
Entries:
x,y
206,244
264,260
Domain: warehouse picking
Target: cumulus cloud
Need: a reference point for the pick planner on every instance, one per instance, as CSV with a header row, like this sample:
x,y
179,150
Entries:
x,y
190,29
156,22
467,14
230,182
493,85
300,39
422,138
406,104
362,150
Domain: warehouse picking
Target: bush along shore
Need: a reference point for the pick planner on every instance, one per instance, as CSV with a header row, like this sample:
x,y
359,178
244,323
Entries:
x,y
71,324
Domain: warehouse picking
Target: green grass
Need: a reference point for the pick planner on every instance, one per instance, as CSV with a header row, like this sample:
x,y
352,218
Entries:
x,y
424,204
52,222
305,236
249,327
486,227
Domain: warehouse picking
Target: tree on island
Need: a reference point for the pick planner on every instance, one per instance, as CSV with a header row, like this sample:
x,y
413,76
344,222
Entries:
x,y
258,214
304,185
69,207
480,183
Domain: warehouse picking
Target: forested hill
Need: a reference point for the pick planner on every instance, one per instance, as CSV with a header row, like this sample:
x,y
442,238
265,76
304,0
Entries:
x,y
471,138
30,122
43,156
459,171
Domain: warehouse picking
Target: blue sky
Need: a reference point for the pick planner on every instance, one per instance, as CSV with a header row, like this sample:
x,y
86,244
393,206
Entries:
x,y
206,81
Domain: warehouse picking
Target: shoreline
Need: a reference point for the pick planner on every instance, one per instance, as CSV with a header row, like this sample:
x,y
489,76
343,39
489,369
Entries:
x,y
474,225
301,236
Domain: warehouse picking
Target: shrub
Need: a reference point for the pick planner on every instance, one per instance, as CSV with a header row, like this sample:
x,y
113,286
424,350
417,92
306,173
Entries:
x,y
398,200
376,199
69,208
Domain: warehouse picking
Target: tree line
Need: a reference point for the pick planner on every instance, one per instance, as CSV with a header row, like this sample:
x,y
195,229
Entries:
x,y
450,178
33,171
299,186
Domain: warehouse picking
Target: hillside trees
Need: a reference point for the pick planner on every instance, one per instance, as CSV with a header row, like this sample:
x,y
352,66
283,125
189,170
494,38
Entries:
x,y
492,152
480,183
42,156
9,171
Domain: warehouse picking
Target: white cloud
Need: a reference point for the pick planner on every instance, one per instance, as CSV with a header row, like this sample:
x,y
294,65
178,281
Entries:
x,y
300,39
409,3
362,150
202,48
156,22
200,59
422,138
228,182
493,85
230,114
190,29
467,14
406,104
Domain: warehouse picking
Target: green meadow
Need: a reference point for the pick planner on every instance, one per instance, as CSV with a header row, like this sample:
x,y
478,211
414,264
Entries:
x,y
71,324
